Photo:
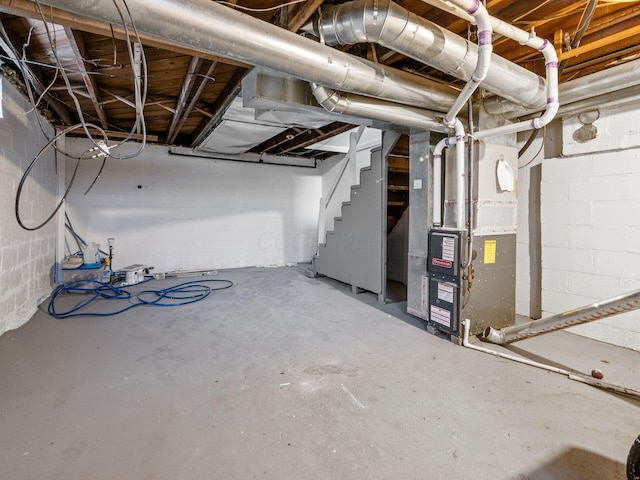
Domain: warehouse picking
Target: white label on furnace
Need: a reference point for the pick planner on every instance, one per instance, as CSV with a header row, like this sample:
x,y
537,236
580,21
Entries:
x,y
445,292
448,248
441,316
417,184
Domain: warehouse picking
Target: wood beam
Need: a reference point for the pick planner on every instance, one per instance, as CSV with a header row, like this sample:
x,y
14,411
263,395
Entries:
x,y
185,92
76,42
328,131
628,34
194,100
302,14
114,134
29,9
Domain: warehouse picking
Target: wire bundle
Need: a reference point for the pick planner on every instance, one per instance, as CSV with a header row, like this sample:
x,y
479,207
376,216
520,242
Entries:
x,y
174,296
102,147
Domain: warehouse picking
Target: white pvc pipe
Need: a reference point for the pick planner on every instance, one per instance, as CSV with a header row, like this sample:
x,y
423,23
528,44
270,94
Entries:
x,y
437,179
479,12
460,176
551,63
524,38
485,33
460,192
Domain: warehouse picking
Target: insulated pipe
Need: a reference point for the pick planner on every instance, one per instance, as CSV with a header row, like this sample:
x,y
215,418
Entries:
x,y
478,11
206,26
394,113
392,26
596,311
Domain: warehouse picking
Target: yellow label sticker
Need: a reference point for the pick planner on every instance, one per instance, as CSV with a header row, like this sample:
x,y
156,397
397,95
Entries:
x,y
489,251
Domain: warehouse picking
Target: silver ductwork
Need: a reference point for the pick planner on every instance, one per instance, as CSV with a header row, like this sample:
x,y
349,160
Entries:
x,y
589,313
393,113
206,26
603,82
390,25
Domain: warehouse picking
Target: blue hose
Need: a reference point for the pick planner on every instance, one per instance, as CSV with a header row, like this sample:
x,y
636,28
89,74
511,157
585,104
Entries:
x,y
174,296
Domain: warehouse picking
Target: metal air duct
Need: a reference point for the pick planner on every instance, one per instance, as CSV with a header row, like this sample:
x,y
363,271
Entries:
x,y
588,313
392,26
396,114
206,26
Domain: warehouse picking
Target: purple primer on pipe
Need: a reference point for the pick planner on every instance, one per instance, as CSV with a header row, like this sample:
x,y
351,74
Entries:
x,y
459,138
552,65
551,100
484,37
544,45
474,9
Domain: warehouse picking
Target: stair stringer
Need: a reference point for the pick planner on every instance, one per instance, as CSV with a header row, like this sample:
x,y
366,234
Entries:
x,y
352,252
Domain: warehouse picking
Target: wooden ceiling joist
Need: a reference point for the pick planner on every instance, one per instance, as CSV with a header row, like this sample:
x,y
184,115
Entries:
x,y
76,44
185,92
192,104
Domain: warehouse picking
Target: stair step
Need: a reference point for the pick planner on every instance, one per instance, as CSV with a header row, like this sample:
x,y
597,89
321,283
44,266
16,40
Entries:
x,y
396,204
355,187
364,169
337,219
344,204
398,187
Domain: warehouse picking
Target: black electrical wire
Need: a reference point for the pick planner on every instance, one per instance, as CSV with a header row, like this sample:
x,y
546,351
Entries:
x,y
177,295
29,168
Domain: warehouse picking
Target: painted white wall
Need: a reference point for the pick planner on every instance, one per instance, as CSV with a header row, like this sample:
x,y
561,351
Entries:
x,y
182,213
26,257
591,223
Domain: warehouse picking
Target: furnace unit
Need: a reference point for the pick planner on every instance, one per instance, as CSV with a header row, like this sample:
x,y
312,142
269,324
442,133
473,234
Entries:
x,y
474,277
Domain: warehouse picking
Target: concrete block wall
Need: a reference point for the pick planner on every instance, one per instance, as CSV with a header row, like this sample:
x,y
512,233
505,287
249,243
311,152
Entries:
x,y
182,213
26,257
591,224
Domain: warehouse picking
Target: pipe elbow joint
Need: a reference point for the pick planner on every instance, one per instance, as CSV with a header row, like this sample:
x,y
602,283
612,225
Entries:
x,y
327,98
547,116
494,336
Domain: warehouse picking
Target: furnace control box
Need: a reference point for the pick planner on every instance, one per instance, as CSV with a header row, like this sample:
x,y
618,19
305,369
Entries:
x,y
445,279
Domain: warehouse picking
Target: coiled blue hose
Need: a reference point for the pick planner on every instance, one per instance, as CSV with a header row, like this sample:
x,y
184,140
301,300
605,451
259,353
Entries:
x,y
174,296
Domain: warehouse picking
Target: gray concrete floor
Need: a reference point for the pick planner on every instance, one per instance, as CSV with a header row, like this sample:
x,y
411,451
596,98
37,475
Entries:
x,y
286,377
